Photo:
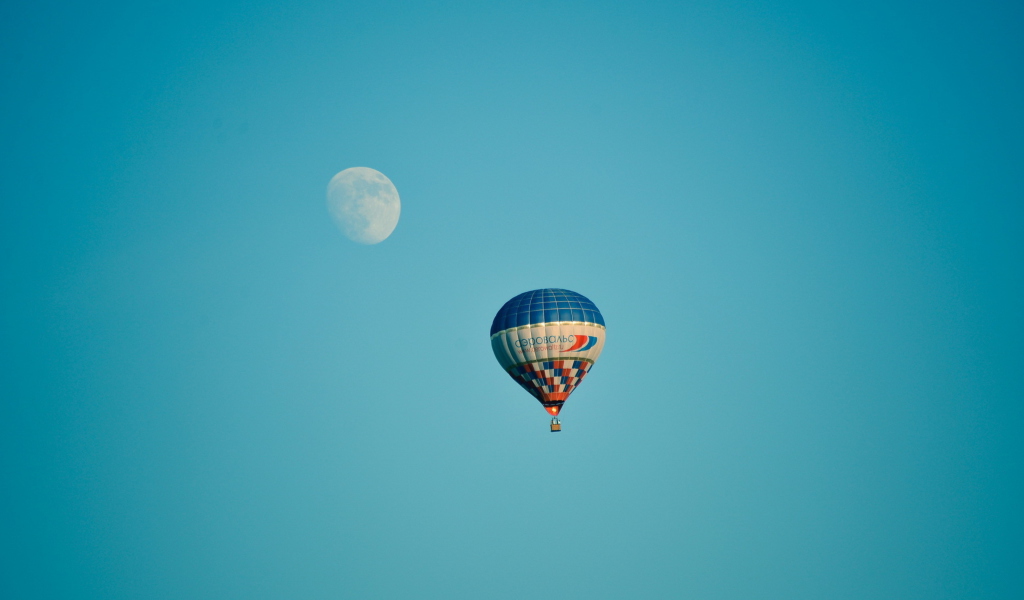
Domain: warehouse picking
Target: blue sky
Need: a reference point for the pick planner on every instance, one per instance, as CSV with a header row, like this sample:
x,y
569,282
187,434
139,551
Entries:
x,y
801,223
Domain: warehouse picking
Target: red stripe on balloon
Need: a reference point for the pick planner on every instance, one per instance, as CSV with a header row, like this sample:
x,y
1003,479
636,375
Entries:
x,y
581,340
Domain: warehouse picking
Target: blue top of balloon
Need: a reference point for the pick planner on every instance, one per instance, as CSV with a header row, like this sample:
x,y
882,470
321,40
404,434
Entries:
x,y
545,306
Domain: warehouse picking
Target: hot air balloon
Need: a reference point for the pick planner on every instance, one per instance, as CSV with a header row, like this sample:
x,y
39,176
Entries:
x,y
547,340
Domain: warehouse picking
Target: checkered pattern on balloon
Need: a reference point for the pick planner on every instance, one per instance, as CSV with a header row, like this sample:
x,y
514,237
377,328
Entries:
x,y
551,381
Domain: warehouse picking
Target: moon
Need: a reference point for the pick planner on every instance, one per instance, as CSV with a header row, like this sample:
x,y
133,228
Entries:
x,y
364,204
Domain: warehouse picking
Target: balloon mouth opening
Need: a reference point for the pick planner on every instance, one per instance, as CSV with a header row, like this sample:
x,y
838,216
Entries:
x,y
553,410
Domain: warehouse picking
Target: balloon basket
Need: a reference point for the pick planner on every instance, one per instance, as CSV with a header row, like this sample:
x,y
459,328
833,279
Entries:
x,y
556,425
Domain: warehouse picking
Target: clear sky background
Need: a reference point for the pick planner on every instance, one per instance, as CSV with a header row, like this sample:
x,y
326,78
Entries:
x,y
802,223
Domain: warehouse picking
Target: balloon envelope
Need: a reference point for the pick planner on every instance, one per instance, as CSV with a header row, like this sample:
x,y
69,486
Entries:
x,y
547,340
